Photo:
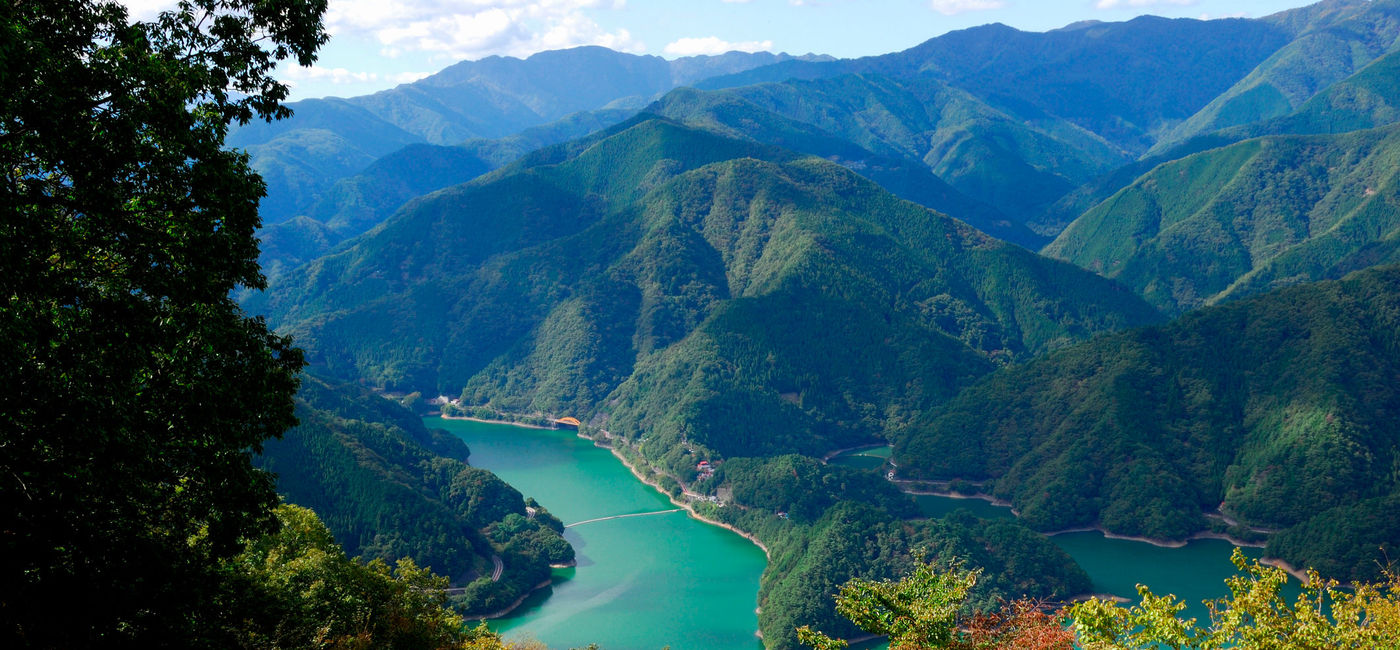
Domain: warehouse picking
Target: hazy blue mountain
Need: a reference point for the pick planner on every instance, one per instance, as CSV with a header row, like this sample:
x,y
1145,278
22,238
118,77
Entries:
x,y
358,203
1335,39
329,139
1126,82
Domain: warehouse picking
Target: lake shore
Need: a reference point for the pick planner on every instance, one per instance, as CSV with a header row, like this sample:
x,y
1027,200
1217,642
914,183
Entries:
x,y
483,420
685,505
511,607
1294,571
1164,543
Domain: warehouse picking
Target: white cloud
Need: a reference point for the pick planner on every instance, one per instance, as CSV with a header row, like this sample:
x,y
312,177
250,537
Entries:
x,y
328,75
471,29
1115,4
952,7
713,45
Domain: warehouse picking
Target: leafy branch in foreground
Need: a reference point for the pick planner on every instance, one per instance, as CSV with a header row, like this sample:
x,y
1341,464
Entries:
x,y
1254,617
926,609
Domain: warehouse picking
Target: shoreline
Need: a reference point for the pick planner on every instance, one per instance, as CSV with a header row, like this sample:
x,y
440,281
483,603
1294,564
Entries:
x,y
685,505
1291,570
511,607
485,421
1163,543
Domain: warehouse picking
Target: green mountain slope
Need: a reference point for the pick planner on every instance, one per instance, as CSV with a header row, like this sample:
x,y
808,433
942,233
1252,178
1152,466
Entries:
x,y
1280,409
1241,219
732,115
1369,98
1337,39
672,260
1015,163
389,488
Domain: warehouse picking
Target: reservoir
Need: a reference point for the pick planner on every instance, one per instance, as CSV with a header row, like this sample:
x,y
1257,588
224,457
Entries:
x,y
641,582
665,579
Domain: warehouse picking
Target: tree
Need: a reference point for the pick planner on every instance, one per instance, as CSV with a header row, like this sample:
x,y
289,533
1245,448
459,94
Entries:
x,y
303,591
925,609
134,389
1254,617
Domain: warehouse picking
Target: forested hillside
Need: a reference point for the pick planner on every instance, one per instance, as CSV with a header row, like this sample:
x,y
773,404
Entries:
x,y
388,488
660,256
1245,218
1018,162
1280,410
1335,39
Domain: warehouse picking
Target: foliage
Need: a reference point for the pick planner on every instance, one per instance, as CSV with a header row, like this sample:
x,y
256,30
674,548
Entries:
x,y
134,386
926,608
301,590
1254,617
1278,409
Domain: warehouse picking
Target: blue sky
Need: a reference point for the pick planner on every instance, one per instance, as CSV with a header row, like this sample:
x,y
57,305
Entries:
x,y
377,44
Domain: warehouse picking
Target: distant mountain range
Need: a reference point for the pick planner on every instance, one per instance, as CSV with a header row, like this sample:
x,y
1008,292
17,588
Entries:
x,y
333,138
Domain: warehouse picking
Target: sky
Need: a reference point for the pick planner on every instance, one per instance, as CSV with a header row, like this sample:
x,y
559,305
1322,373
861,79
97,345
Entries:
x,y
378,44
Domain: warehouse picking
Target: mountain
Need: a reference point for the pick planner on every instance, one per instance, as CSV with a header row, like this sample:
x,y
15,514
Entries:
x,y
1126,82
1244,218
1367,99
1335,39
1014,163
654,270
732,115
1281,410
328,139
387,488
355,204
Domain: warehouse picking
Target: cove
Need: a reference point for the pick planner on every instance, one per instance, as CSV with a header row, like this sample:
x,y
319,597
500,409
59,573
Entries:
x,y
640,583
1194,572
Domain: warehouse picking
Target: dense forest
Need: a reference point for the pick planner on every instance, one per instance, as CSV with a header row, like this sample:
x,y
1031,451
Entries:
x,y
1277,410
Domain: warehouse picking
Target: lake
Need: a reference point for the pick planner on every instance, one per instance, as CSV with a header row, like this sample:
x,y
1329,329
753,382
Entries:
x,y
641,582
646,582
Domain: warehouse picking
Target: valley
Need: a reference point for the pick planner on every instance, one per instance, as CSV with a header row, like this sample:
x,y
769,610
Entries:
x,y
951,344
